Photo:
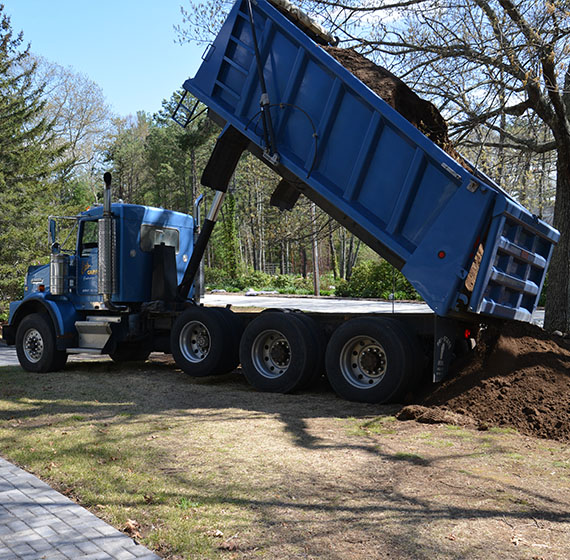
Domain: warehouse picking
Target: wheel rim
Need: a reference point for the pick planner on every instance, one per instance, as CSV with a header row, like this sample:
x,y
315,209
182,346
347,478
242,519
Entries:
x,y
195,341
363,362
33,345
271,354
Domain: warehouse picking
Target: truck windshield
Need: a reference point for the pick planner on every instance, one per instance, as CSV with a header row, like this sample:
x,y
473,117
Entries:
x,y
89,238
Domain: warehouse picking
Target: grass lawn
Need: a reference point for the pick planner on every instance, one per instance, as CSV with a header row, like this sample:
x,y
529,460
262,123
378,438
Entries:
x,y
210,469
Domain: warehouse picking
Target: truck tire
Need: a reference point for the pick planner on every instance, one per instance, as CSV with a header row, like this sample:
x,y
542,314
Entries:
x,y
202,342
130,352
369,360
414,351
234,330
35,345
319,345
276,353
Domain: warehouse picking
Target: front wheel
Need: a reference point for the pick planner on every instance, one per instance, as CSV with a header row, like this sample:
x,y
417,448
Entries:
x,y
36,345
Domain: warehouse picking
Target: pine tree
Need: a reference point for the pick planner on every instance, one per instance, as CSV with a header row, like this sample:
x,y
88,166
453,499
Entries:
x,y
27,161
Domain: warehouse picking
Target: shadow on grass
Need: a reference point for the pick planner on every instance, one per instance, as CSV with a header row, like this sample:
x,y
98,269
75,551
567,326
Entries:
x,y
104,391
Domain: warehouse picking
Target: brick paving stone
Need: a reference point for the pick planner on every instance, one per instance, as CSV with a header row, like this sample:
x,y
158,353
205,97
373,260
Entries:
x,y
5,530
139,552
22,549
59,526
41,545
71,550
40,520
114,545
52,555
46,531
23,536
124,555
88,547
38,523
17,525
105,529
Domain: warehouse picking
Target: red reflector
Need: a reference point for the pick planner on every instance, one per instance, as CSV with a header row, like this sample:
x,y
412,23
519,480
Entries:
x,y
441,254
41,288
467,333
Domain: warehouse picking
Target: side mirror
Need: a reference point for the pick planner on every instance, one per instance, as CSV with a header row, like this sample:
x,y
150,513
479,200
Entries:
x,y
196,215
52,231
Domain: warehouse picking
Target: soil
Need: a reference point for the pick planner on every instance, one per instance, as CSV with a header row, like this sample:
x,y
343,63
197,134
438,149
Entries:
x,y
519,377
421,113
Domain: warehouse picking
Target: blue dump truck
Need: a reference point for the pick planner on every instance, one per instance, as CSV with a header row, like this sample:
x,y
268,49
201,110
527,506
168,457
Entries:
x,y
127,285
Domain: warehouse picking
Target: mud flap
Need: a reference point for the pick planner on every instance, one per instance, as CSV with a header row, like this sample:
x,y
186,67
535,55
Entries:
x,y
224,159
445,335
284,196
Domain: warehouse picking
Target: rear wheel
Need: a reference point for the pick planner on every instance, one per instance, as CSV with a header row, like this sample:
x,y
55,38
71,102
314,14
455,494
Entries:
x,y
369,360
36,345
318,346
203,343
276,353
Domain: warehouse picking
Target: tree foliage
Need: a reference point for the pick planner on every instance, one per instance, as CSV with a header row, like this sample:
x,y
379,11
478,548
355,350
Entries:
x,y
29,159
81,123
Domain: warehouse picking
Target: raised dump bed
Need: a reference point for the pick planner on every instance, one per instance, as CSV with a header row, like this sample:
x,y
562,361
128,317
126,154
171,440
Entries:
x,y
463,243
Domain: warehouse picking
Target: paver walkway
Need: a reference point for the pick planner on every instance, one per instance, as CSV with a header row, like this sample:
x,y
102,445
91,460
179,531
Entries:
x,y
38,523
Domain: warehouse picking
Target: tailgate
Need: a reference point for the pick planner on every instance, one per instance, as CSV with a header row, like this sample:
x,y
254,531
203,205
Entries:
x,y
515,260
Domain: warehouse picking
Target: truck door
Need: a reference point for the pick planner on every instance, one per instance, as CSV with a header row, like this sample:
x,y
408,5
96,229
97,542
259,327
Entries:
x,y
88,251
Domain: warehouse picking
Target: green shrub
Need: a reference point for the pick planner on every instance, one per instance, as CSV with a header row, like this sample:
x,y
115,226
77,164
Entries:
x,y
282,282
214,277
342,289
373,279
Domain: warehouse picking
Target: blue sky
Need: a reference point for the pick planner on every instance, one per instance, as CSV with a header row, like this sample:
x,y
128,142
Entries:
x,y
126,46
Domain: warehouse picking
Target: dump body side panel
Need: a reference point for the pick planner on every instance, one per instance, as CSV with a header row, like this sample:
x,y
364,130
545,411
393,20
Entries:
x,y
353,154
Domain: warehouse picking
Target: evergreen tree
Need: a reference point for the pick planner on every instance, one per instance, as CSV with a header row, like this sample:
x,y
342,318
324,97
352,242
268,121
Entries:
x,y
27,156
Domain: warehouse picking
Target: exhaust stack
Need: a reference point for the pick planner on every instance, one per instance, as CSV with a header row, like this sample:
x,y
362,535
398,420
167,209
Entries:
x,y
106,281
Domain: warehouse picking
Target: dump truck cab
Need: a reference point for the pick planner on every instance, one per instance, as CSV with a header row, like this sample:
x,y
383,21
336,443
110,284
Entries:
x,y
106,268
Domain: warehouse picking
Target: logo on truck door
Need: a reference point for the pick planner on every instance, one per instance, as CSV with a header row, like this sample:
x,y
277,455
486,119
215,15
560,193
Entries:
x,y
86,269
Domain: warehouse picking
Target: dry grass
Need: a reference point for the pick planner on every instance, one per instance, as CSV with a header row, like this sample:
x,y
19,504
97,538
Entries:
x,y
211,469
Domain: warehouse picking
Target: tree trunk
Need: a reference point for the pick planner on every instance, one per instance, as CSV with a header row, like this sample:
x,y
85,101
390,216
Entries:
x,y
333,252
304,262
342,260
558,289
282,257
316,270
525,168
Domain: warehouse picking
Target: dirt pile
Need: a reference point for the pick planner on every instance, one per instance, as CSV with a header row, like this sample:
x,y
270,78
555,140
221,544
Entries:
x,y
421,113
519,377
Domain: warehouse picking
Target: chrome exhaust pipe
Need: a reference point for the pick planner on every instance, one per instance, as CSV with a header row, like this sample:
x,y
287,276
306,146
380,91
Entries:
x,y
106,280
